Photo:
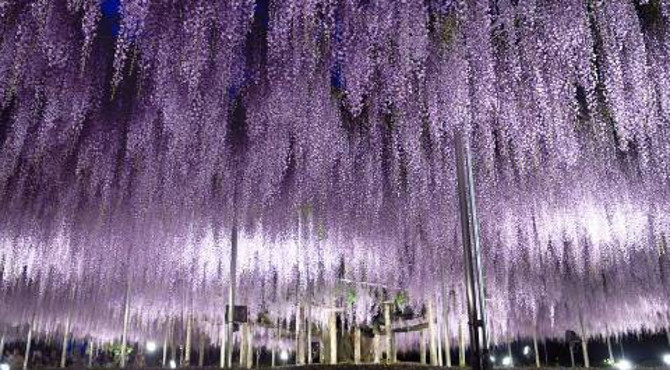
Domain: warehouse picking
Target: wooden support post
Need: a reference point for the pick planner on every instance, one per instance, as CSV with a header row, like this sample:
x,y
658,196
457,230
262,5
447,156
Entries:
x,y
250,347
585,352
322,350
422,347
299,335
126,320
222,350
91,351
63,354
537,351
440,361
243,345
447,340
332,331
28,340
357,345
308,322
609,348
165,347
2,344
201,350
187,345
461,346
273,357
389,332
377,350
432,334
231,294
182,355
509,352
585,344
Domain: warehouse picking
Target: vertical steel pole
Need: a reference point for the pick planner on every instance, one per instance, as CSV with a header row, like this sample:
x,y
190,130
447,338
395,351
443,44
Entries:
x,y
473,271
231,294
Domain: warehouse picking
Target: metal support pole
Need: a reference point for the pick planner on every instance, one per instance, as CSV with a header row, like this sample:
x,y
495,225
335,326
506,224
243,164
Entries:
x,y
473,268
126,319
231,294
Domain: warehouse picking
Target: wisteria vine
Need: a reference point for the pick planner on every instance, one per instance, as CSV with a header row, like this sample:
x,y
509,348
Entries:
x,y
132,139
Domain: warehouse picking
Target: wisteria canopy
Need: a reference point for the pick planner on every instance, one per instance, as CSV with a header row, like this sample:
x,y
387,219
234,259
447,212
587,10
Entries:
x,y
132,139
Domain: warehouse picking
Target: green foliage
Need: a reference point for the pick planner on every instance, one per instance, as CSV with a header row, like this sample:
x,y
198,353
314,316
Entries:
x,y
351,297
115,350
401,299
